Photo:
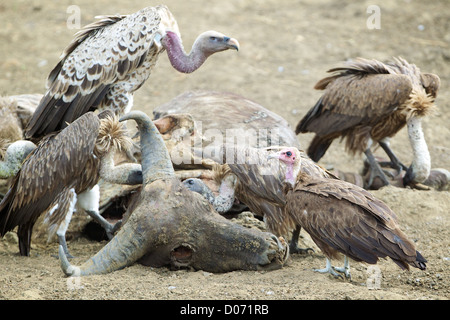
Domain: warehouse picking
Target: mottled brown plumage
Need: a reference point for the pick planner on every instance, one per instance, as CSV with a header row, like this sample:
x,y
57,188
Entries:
x,y
343,218
62,167
110,59
259,185
368,101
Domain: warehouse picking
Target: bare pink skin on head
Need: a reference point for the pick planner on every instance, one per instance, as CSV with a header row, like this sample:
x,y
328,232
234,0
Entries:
x,y
290,156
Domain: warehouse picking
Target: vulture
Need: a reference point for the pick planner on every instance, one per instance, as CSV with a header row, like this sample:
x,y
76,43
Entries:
x,y
258,184
367,102
110,59
168,225
343,218
62,171
216,120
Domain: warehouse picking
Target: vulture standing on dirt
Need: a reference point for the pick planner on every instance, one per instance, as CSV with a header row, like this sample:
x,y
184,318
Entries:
x,y
110,59
63,170
368,102
342,217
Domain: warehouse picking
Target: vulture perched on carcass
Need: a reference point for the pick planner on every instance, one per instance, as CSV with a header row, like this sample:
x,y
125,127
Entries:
x,y
110,59
259,184
62,171
368,102
212,120
343,218
169,225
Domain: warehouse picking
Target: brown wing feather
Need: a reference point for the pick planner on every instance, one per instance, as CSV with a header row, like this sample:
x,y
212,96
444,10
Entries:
x,y
261,186
341,217
352,100
54,166
103,54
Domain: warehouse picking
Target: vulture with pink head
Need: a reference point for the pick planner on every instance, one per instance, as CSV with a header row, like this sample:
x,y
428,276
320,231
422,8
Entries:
x,y
233,132
108,60
367,102
343,218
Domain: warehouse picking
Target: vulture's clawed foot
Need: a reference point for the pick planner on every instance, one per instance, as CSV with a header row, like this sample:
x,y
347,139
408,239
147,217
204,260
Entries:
x,y
63,245
334,270
399,167
111,229
345,270
376,172
293,248
293,245
114,229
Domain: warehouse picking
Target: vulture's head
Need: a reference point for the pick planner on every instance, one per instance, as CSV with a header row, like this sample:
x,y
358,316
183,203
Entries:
x,y
290,156
212,41
206,44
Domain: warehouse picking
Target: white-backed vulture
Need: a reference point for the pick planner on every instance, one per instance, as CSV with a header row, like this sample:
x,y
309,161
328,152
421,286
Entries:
x,y
168,225
63,170
343,218
111,58
368,102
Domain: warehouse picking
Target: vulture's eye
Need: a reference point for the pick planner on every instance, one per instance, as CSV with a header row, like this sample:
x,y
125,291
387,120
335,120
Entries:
x,y
191,181
213,38
289,153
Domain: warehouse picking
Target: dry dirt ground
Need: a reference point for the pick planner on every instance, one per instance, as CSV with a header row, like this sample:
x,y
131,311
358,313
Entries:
x,y
286,46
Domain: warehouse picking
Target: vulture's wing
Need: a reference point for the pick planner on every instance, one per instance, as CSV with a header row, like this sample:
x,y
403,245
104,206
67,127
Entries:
x,y
358,95
101,54
349,219
257,176
54,166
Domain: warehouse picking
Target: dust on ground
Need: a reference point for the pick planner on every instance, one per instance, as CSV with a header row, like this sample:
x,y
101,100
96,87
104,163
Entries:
x,y
286,47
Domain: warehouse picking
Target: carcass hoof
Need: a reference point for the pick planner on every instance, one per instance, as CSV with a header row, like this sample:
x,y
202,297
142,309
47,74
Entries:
x,y
277,254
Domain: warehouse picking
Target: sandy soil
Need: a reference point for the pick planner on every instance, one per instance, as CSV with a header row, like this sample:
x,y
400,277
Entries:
x,y
286,46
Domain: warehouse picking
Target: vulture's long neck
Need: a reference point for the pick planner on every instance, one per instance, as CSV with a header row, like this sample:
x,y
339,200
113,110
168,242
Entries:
x,y
292,171
181,61
421,163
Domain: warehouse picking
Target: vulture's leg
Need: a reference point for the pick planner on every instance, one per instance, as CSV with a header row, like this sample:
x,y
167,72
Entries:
x,y
63,243
293,245
329,269
89,201
345,269
375,169
395,162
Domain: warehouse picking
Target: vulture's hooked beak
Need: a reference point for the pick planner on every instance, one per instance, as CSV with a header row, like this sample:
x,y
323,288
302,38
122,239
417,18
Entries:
x,y
275,155
232,43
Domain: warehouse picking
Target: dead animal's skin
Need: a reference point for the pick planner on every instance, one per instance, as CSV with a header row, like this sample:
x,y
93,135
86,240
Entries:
x,y
168,225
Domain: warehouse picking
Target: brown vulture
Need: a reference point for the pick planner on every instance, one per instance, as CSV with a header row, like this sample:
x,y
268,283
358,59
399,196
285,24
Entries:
x,y
343,218
367,102
62,171
257,183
